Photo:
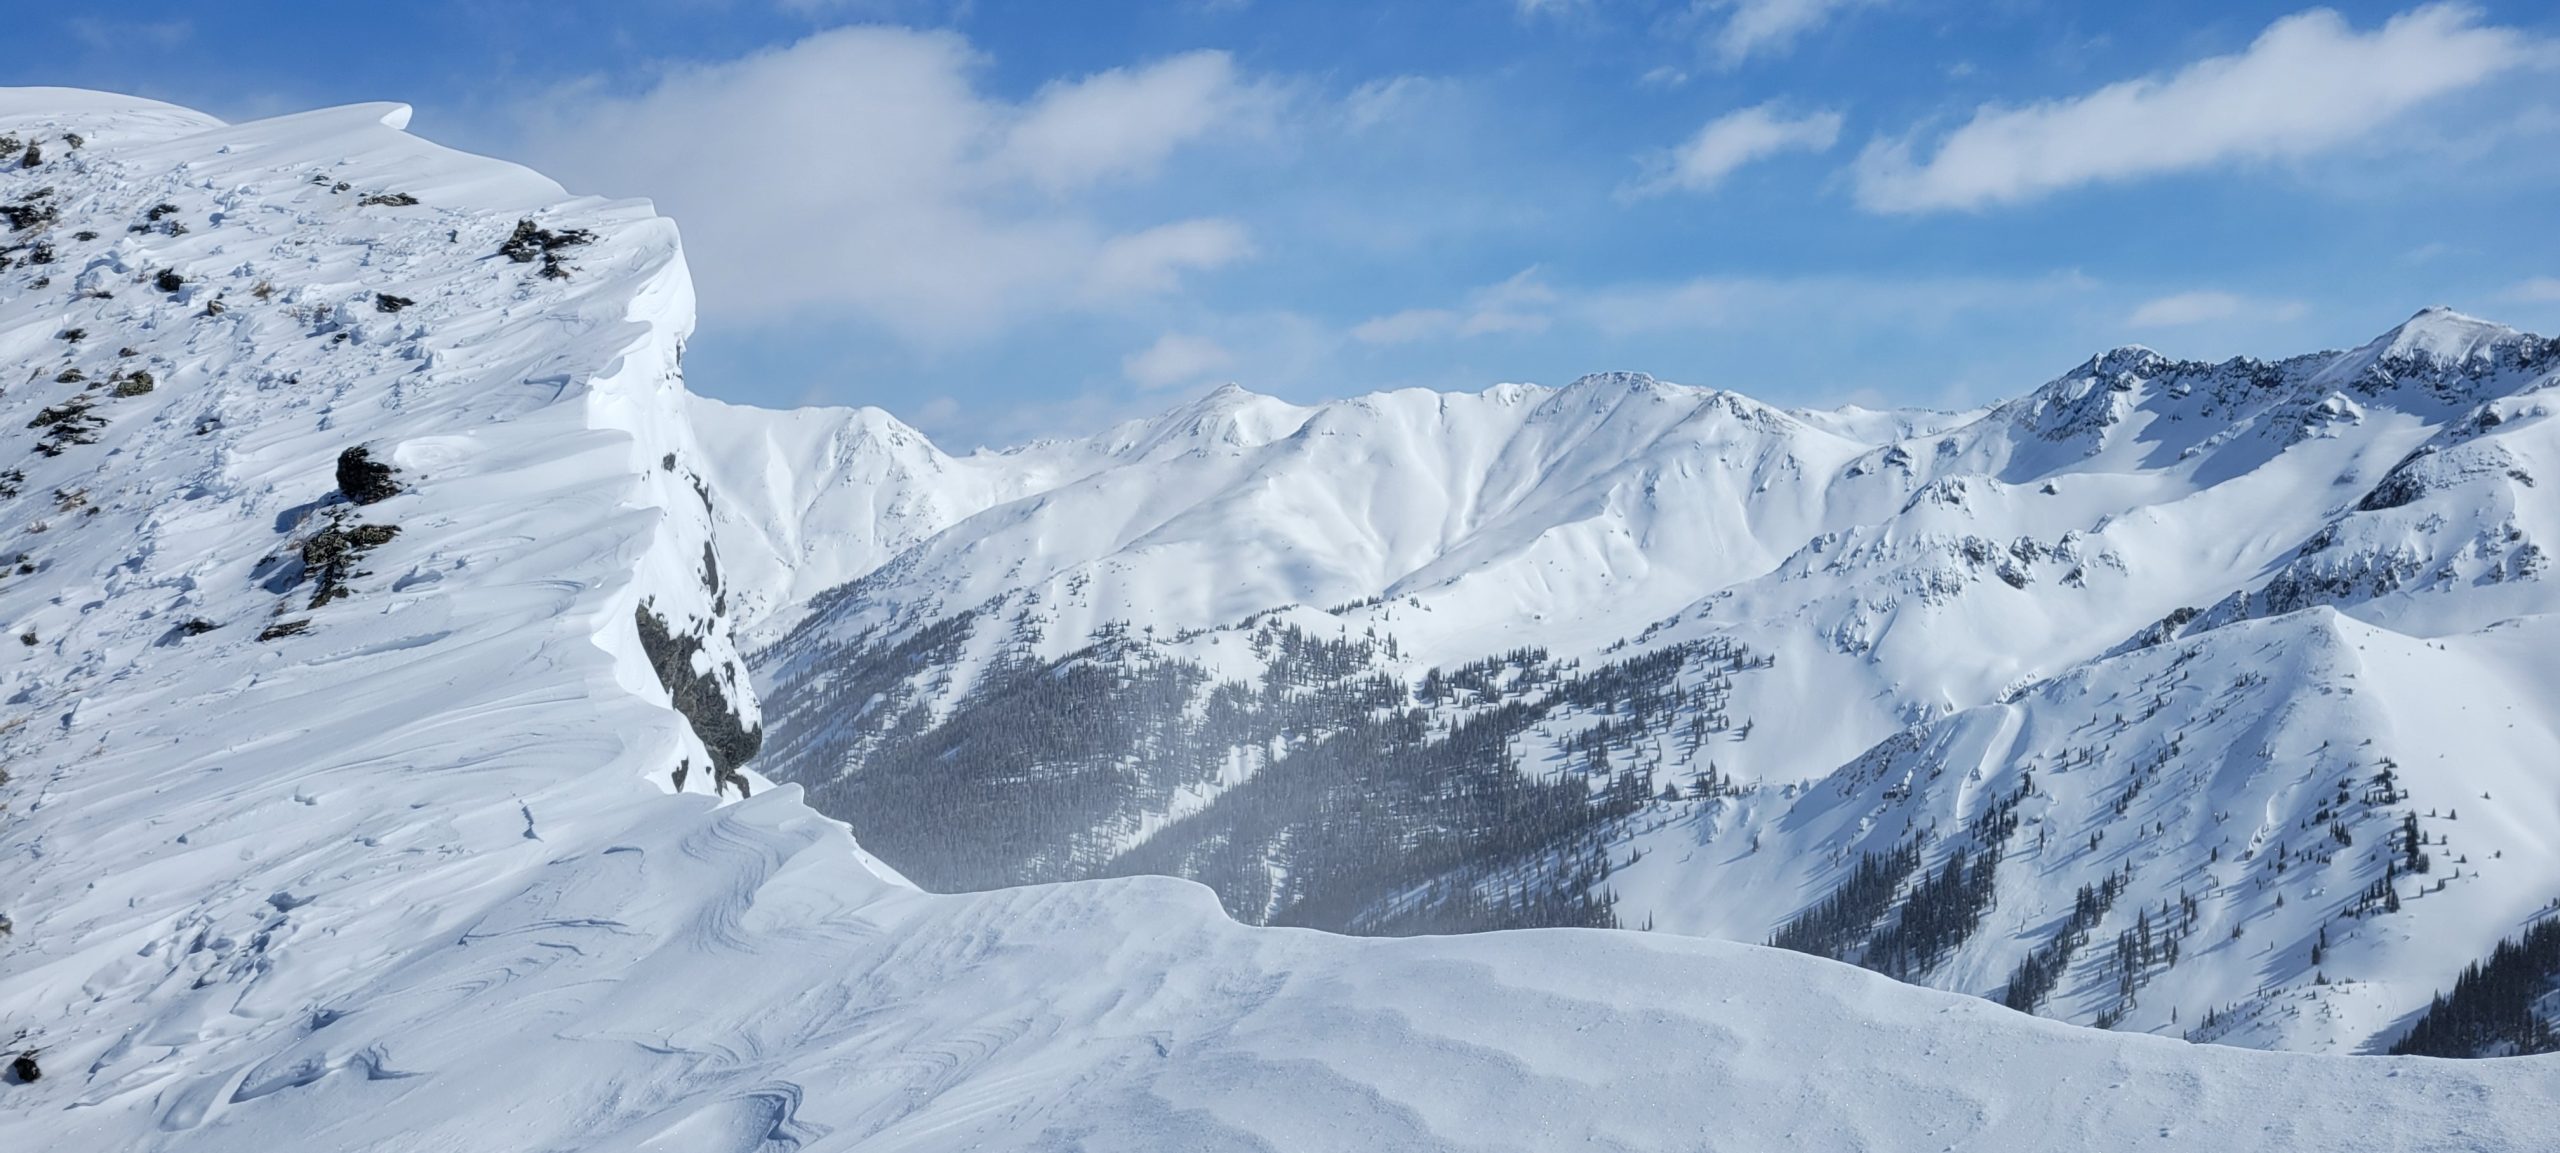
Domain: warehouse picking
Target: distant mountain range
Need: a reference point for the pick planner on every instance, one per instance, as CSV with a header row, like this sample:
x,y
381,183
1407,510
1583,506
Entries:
x,y
2198,642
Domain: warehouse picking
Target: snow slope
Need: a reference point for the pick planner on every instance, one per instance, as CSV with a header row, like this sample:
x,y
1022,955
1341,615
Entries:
x,y
1575,517
816,496
1921,603
415,877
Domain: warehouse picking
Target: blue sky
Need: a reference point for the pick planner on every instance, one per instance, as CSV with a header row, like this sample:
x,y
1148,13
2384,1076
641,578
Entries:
x,y
1001,219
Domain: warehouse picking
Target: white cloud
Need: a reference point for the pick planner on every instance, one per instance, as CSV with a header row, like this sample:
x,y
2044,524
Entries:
x,y
1520,304
1378,102
1175,359
1735,139
1663,78
2206,306
1153,261
1755,27
2533,290
1407,326
1785,304
2309,83
1766,26
862,173
1124,122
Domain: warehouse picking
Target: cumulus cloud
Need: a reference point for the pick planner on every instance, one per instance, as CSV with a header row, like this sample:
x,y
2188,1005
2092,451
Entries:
x,y
2309,83
2207,306
1175,359
862,172
1519,304
1735,139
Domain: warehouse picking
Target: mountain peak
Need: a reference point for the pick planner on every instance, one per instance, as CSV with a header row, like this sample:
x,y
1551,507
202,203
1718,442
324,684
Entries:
x,y
2121,359
1602,391
1626,381
1229,415
2439,333
1226,399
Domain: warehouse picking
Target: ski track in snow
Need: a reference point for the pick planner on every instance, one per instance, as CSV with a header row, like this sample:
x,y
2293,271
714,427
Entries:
x,y
286,894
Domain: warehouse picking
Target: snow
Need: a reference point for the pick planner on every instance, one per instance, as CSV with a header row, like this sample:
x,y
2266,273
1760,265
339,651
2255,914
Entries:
x,y
1902,569
2441,334
416,878
2260,751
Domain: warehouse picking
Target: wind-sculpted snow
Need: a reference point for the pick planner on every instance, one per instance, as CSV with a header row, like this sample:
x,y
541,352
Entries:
x,y
409,869
716,984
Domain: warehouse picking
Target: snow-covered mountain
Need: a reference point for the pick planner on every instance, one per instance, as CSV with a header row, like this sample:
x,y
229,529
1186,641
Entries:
x,y
1418,661
374,738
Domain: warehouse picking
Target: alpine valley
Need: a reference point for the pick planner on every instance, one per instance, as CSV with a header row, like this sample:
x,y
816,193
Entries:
x,y
2201,699
431,727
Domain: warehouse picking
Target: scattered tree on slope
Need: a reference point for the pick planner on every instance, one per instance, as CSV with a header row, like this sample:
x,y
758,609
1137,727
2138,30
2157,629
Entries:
x,y
2496,1007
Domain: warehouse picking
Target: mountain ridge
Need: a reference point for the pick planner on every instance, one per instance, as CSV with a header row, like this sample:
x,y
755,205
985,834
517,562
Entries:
x,y
371,819
2133,502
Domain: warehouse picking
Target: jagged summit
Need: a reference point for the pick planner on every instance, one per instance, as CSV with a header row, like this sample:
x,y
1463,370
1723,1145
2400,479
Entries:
x,y
2129,358
2453,356
1615,379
